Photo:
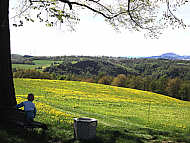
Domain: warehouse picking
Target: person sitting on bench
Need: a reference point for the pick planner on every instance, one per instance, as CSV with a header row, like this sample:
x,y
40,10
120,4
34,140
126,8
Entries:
x,y
29,108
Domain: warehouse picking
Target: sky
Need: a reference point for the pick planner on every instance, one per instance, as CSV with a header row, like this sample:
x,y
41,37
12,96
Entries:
x,y
93,37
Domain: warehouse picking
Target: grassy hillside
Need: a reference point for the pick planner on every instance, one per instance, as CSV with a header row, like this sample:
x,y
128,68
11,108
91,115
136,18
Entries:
x,y
124,115
36,64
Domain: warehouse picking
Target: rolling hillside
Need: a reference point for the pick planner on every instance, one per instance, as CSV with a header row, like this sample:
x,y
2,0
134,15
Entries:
x,y
155,75
92,66
124,115
87,68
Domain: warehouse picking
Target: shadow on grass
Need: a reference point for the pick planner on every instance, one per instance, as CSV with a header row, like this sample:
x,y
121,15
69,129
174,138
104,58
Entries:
x,y
104,135
141,135
109,136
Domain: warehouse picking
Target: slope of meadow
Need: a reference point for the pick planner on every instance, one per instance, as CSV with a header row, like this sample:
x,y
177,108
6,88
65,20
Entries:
x,y
124,115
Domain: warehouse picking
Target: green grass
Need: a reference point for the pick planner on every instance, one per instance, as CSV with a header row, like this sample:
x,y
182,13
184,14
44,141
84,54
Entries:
x,y
45,62
24,66
124,115
38,63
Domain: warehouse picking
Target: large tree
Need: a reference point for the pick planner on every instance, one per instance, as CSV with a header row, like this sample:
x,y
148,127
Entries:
x,y
151,16
7,93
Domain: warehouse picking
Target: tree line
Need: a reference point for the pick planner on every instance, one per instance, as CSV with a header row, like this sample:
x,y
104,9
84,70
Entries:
x,y
173,87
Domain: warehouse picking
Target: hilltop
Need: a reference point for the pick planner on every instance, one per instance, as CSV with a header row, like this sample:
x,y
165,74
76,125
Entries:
x,y
89,67
171,56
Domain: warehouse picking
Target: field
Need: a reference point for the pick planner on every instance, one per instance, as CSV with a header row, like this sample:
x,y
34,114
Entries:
x,y
38,64
124,115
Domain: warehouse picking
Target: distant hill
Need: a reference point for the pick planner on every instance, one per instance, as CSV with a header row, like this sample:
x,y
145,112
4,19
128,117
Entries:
x,y
88,67
171,56
19,59
165,65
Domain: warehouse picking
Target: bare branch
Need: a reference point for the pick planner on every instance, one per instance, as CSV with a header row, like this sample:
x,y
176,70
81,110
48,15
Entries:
x,y
24,10
176,18
111,16
151,29
97,11
32,1
131,17
67,2
97,2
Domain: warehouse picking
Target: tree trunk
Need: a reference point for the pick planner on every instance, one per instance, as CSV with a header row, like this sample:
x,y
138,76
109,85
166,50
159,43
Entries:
x,y
9,116
7,92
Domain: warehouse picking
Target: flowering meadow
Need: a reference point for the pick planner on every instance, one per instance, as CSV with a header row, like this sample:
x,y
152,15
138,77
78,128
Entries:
x,y
58,102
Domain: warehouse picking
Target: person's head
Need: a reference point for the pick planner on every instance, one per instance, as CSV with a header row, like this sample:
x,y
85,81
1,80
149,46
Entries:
x,y
30,97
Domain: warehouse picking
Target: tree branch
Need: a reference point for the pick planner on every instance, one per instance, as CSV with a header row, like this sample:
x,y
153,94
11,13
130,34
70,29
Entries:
x,y
131,17
151,29
111,16
67,2
168,7
97,2
97,11
24,10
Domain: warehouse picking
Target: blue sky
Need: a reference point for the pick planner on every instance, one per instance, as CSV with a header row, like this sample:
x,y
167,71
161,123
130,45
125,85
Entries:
x,y
93,37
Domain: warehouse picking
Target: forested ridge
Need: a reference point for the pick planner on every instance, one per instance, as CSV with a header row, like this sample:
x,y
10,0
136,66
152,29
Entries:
x,y
164,76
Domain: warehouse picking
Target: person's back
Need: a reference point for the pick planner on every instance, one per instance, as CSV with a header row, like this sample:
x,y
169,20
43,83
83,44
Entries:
x,y
28,105
29,108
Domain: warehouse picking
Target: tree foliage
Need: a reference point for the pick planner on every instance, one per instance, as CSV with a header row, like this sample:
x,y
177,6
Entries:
x,y
173,87
147,15
107,80
120,80
31,73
